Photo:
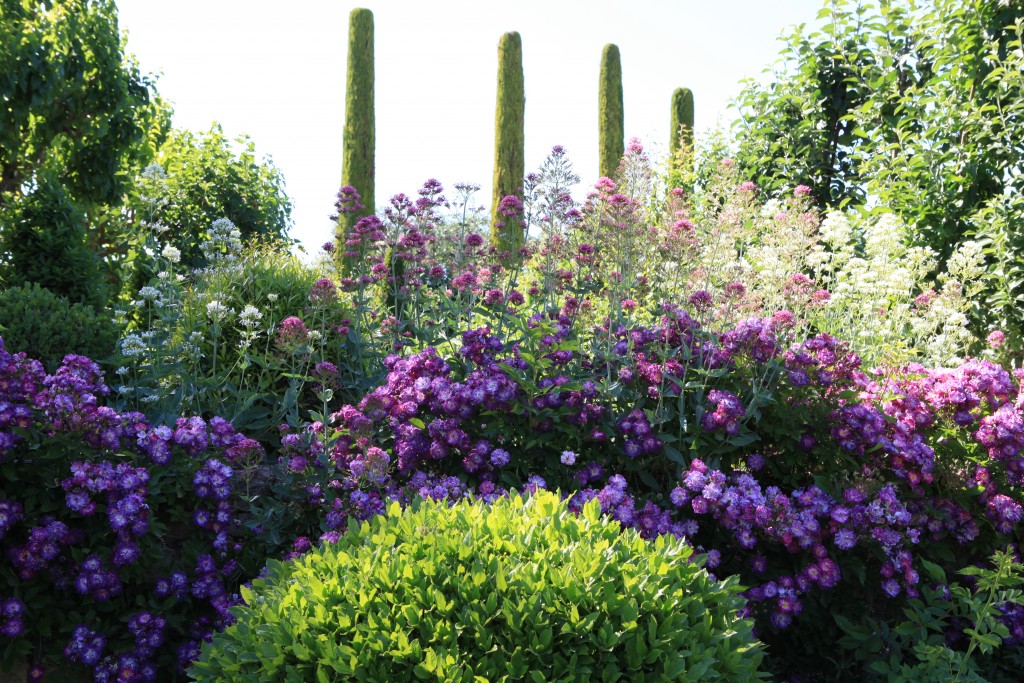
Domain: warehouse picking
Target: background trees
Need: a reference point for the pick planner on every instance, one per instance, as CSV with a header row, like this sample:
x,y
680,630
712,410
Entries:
x,y
76,116
78,125
919,109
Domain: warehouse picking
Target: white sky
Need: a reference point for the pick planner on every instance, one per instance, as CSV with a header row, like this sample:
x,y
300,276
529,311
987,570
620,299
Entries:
x,y
276,70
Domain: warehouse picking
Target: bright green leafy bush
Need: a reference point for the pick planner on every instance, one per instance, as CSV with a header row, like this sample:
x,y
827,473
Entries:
x,y
518,590
48,326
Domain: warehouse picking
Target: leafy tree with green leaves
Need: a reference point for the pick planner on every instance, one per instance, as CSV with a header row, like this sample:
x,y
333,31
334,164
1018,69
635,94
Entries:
x,y
200,178
76,116
919,107
210,176
680,139
44,242
73,103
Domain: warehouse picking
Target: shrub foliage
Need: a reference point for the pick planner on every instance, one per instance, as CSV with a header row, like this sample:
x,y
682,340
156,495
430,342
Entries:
x,y
518,590
37,320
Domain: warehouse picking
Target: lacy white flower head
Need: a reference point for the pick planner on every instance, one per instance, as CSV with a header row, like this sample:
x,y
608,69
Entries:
x,y
771,208
885,236
225,241
217,311
171,253
132,345
272,297
966,266
154,172
250,316
149,293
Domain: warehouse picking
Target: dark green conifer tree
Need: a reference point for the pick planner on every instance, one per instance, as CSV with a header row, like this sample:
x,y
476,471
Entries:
x,y
509,164
357,163
681,127
611,121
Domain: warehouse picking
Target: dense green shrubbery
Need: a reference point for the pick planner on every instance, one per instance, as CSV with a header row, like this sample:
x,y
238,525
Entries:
x,y
517,590
43,240
918,106
210,343
48,326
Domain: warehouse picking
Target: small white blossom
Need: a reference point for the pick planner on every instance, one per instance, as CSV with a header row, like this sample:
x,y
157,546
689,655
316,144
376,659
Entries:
x,y
154,172
225,242
217,311
250,316
132,345
172,254
149,293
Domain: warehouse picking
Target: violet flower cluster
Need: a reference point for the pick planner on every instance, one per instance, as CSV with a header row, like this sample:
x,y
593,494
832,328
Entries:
x,y
95,540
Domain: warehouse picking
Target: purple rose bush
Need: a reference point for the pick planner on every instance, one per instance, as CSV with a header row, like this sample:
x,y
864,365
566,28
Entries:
x,y
123,543
843,496
827,487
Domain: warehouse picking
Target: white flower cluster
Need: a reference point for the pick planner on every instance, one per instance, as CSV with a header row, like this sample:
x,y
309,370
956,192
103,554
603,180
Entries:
x,y
132,345
154,172
250,316
217,311
171,253
225,242
881,293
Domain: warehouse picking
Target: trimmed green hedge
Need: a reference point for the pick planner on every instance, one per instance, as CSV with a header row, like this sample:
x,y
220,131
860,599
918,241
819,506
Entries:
x,y
48,327
521,589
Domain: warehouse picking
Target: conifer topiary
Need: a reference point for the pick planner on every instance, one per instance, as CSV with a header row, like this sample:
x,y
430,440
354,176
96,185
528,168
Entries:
x,y
357,164
611,121
681,127
509,140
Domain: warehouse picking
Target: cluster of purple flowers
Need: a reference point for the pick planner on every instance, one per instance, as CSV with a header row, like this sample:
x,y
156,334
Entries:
x,y
125,491
212,483
756,338
97,581
420,388
12,617
106,514
639,437
727,414
174,586
822,361
44,544
1002,433
11,512
86,646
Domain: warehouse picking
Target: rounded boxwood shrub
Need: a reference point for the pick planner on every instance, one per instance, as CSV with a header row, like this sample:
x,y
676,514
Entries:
x,y
48,327
521,589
